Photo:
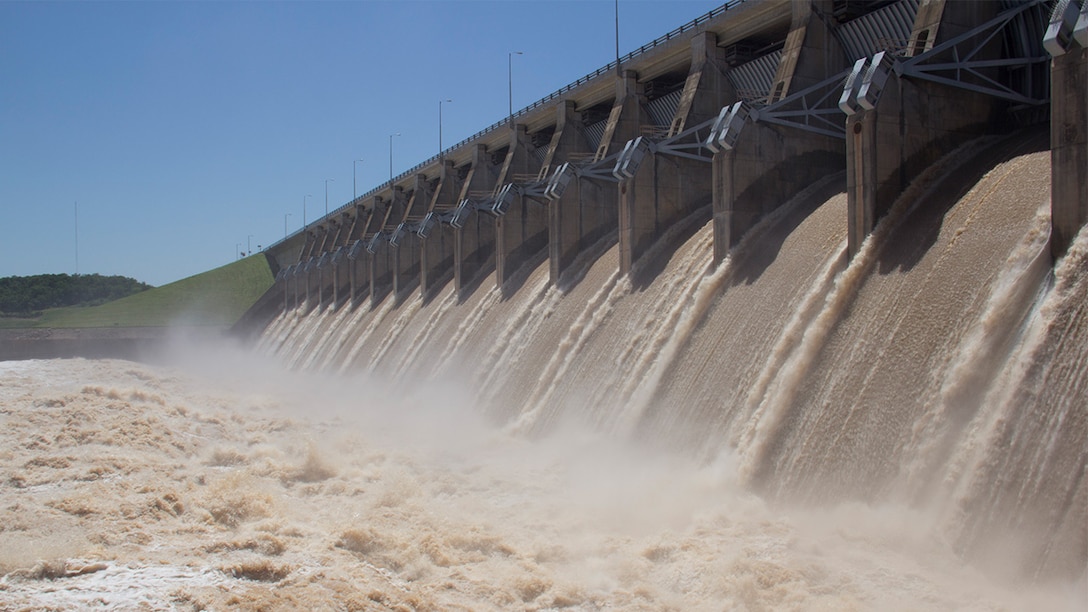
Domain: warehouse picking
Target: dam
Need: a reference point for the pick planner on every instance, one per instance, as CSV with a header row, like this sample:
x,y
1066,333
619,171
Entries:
x,y
840,243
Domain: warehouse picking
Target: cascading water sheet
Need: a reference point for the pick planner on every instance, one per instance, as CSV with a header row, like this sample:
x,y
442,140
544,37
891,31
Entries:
x,y
928,392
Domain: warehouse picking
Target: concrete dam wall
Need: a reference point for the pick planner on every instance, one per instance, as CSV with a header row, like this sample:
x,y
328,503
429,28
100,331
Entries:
x,y
839,244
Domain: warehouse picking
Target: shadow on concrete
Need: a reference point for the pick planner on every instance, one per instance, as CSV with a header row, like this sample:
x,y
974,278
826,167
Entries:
x,y
380,290
921,228
436,289
474,283
589,253
758,251
648,267
405,293
518,279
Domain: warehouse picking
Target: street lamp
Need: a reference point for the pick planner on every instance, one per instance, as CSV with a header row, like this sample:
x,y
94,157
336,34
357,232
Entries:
x,y
391,158
75,206
285,225
327,196
238,250
304,210
354,189
510,79
249,245
440,125
619,71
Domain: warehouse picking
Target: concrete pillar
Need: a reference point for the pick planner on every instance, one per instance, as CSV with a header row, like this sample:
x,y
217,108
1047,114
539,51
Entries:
x,y
913,125
1068,147
811,52
523,230
311,245
587,209
474,244
436,252
706,89
339,229
335,282
359,269
341,282
323,275
406,256
625,124
379,263
360,277
308,273
325,232
771,164
666,189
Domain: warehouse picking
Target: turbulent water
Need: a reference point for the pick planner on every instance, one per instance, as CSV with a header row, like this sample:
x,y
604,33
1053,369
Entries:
x,y
790,429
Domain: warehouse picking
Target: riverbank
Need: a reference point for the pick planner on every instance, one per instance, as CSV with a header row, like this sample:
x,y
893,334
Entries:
x,y
133,343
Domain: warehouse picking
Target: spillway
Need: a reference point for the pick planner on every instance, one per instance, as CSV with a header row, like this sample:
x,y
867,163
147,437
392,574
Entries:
x,y
945,366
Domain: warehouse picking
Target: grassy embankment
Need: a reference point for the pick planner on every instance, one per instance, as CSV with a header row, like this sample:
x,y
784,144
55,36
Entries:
x,y
217,297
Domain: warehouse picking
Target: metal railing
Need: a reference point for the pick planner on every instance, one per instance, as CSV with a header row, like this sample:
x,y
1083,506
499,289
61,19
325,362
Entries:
x,y
687,27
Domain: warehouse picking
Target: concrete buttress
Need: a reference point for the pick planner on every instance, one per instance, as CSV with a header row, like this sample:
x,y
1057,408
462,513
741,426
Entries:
x,y
408,252
436,251
769,164
1069,147
665,188
474,244
586,211
914,122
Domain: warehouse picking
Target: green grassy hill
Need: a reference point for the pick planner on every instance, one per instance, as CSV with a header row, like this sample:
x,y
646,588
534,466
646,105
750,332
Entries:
x,y
217,297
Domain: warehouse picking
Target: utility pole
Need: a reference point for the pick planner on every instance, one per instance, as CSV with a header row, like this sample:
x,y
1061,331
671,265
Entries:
x,y
510,82
76,206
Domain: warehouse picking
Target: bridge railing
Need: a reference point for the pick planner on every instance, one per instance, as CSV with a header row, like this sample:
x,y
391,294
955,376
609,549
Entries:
x,y
687,27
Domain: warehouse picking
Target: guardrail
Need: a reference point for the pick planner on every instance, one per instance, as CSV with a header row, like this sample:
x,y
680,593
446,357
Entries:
x,y
687,27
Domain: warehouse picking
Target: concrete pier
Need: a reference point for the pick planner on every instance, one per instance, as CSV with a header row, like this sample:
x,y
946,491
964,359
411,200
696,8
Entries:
x,y
522,230
768,163
407,251
1069,146
914,122
667,188
586,211
474,242
437,250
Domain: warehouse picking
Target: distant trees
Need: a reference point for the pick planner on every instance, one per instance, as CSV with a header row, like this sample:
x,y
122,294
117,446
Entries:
x,y
29,294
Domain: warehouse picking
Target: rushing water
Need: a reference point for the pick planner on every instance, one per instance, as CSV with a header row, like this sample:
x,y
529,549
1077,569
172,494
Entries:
x,y
789,429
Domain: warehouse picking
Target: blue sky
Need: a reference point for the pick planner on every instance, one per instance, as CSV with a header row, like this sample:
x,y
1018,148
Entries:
x,y
183,129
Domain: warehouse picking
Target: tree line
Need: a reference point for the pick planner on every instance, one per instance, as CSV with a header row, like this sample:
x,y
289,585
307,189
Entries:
x,y
25,295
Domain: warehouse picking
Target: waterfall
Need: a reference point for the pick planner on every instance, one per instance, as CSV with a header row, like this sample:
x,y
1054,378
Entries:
x,y
1021,469
944,366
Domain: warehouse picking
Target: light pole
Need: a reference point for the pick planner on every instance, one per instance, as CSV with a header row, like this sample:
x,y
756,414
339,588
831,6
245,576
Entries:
x,y
285,216
440,125
619,72
237,250
354,189
510,80
304,210
391,158
327,196
75,206
249,245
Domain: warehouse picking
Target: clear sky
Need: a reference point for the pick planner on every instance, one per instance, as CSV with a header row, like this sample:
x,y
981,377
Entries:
x,y
186,129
